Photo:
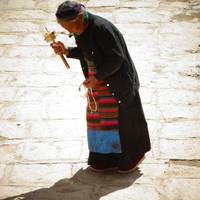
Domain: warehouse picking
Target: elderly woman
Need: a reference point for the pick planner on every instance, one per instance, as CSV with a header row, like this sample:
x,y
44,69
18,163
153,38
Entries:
x,y
117,130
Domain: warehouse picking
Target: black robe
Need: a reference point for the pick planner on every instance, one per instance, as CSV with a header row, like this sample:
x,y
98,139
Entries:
x,y
104,44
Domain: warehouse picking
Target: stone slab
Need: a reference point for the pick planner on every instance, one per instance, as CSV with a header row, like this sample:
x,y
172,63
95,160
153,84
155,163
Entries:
x,y
180,149
20,27
46,151
96,3
54,64
25,79
178,96
2,171
13,190
180,130
30,175
181,189
12,129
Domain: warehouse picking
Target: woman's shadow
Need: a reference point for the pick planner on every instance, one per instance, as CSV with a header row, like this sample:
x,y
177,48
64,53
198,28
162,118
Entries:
x,y
84,185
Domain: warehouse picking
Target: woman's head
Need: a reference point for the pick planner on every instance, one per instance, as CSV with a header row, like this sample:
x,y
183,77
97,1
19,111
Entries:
x,y
70,15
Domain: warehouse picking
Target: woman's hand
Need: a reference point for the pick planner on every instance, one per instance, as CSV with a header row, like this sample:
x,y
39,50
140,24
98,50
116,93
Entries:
x,y
90,82
59,48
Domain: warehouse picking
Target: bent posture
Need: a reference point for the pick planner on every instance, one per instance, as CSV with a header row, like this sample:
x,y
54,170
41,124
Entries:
x,y
117,130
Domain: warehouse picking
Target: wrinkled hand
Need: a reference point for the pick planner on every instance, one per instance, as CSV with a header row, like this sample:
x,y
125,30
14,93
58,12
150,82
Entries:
x,y
90,82
59,48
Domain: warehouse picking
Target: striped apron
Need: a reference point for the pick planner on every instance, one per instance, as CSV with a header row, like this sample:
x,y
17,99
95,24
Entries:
x,y
102,118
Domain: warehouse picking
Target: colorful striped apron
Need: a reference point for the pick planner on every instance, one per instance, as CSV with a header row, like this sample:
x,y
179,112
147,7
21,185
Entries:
x,y
102,118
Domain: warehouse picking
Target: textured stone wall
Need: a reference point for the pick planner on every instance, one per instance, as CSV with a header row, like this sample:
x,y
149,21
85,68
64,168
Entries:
x,y
42,116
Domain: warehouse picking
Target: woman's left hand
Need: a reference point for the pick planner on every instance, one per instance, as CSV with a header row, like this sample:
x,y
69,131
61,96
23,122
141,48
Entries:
x,y
90,82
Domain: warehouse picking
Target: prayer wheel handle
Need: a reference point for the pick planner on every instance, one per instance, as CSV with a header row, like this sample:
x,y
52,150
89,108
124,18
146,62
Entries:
x,y
50,37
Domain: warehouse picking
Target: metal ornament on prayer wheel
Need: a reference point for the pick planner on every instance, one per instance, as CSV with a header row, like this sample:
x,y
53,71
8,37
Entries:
x,y
51,37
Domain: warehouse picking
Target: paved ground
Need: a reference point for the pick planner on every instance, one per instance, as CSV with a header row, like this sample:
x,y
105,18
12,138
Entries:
x,y
43,144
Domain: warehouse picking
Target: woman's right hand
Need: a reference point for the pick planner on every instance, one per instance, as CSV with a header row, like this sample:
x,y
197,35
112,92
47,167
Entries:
x,y
59,48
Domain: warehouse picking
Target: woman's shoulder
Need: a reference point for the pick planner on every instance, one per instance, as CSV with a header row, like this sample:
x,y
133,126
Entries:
x,y
101,23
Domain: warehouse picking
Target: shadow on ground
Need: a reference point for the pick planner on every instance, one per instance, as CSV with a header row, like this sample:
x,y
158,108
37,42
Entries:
x,y
85,184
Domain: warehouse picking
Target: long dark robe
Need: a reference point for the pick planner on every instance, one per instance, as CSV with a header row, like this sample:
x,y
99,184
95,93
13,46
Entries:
x,y
103,43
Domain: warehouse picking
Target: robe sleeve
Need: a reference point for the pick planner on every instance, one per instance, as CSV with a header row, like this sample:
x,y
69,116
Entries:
x,y
112,51
74,52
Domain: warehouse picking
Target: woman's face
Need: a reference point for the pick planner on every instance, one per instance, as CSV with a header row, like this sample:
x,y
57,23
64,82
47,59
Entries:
x,y
73,26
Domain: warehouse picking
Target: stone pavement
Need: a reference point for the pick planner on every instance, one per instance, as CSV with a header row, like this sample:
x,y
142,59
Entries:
x,y
43,144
